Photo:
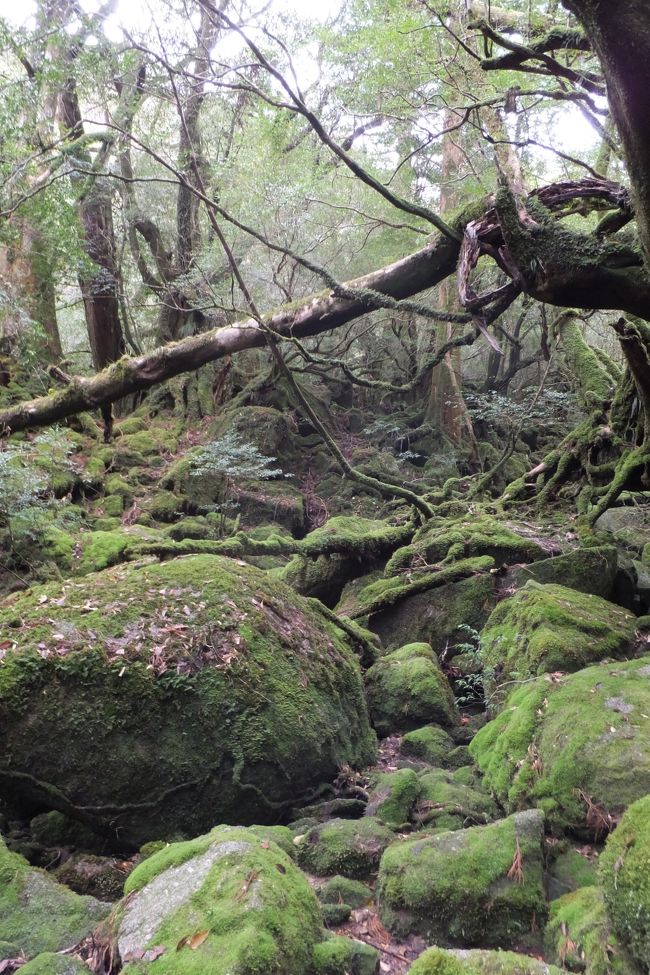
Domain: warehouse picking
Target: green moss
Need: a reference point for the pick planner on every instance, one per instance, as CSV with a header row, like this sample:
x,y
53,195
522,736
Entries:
x,y
466,538
100,549
568,742
579,935
464,887
201,688
444,800
430,743
255,910
407,688
546,628
392,797
115,484
38,914
351,847
113,506
590,570
339,890
570,871
163,506
343,956
49,963
625,876
132,424
437,961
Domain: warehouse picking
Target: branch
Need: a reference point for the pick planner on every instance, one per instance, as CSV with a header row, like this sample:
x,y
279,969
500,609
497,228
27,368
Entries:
x,y
318,313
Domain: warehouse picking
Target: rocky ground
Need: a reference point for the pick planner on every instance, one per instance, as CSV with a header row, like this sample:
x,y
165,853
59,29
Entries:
x,y
440,767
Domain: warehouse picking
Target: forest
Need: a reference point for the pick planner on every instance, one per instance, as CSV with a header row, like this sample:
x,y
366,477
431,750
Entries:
x,y
325,487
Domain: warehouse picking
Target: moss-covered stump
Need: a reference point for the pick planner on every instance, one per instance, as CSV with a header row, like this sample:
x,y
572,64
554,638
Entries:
x,y
579,936
228,903
393,796
478,887
36,913
434,617
437,961
589,570
202,689
577,746
345,956
625,877
434,746
350,847
445,803
546,628
407,688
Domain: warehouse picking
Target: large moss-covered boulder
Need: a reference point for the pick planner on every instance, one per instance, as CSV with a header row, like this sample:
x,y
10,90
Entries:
x,y
437,961
445,803
407,688
625,876
481,886
546,628
228,903
577,746
579,936
434,617
589,570
202,689
350,847
36,913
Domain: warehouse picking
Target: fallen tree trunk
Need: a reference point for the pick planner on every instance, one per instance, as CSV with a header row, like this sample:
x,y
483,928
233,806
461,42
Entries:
x,y
319,313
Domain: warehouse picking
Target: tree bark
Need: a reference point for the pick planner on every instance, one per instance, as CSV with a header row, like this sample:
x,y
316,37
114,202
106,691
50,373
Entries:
x,y
620,35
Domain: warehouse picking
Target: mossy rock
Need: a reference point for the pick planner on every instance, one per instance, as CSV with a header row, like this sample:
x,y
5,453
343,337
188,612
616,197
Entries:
x,y
546,628
194,527
243,900
579,936
630,525
38,914
36,540
465,538
343,559
200,687
100,877
434,746
570,871
101,549
350,847
588,570
481,886
407,688
49,963
273,433
625,877
437,961
345,956
271,501
393,796
163,506
434,617
338,890
448,804
55,829
577,746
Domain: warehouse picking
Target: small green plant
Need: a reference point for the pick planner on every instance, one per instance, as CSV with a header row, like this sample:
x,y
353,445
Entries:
x,y
229,460
21,486
469,685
